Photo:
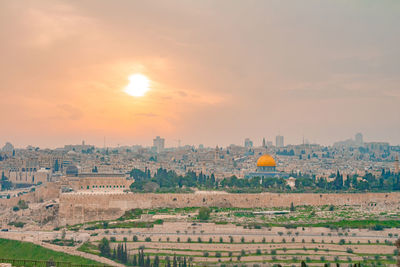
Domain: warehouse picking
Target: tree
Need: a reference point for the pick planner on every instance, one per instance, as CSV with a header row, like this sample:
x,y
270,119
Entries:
x,y
204,213
292,209
104,248
156,262
134,262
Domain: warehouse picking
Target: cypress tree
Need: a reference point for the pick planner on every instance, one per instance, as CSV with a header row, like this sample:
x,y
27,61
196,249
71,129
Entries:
x,y
134,262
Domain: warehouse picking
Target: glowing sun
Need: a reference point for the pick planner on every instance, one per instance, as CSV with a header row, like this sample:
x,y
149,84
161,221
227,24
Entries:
x,y
138,85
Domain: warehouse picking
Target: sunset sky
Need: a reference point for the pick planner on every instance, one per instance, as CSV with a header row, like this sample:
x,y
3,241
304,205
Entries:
x,y
219,71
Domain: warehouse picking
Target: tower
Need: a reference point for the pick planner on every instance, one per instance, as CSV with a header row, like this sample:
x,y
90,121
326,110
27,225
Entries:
x,y
279,141
248,143
216,155
396,164
358,138
263,142
158,144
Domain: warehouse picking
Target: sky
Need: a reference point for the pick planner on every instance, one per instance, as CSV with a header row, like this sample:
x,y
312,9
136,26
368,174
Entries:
x,y
219,71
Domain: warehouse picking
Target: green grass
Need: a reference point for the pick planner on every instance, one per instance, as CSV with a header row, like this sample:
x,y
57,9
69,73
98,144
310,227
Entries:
x,y
359,224
12,249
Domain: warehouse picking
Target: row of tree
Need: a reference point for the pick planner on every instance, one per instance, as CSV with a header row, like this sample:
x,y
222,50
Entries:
x,y
120,254
169,179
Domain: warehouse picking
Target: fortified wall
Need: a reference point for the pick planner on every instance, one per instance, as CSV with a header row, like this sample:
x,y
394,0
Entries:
x,y
46,192
91,206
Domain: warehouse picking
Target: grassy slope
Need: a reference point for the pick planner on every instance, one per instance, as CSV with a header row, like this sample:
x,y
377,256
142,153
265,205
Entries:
x,y
12,249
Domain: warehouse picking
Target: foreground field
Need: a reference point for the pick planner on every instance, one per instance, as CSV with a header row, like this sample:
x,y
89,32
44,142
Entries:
x,y
213,244
234,237
12,249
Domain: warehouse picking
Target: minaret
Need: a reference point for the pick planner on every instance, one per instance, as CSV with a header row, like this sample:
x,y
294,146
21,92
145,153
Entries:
x,y
216,155
263,143
396,164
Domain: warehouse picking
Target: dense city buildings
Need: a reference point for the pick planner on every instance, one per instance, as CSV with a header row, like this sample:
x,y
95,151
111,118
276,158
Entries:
x,y
34,166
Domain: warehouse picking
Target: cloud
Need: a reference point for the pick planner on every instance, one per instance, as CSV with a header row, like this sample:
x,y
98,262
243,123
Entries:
x,y
68,112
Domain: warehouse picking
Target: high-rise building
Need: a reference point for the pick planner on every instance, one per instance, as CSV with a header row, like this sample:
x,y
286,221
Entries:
x,y
359,139
158,144
248,143
279,141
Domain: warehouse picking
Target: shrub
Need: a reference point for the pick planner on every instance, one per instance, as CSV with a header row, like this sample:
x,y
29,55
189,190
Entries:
x,y
147,239
15,208
218,254
349,250
210,240
113,239
258,251
242,239
205,254
204,213
135,238
189,240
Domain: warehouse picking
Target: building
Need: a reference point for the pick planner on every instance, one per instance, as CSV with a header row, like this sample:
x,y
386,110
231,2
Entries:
x,y
359,139
266,168
158,144
279,141
248,143
8,147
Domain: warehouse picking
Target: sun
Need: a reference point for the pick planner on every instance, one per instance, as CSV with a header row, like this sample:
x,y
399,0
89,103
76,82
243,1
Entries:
x,y
138,85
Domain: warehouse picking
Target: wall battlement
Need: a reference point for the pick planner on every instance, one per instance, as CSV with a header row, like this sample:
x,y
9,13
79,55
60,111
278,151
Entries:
x,y
84,207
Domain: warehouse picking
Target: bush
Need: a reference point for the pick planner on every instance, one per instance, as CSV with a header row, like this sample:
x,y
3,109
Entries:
x,y
349,250
15,208
258,251
17,224
135,238
22,204
205,254
204,213
113,239
147,239
218,254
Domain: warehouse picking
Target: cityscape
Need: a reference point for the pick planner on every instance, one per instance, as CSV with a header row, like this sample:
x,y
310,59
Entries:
x,y
199,133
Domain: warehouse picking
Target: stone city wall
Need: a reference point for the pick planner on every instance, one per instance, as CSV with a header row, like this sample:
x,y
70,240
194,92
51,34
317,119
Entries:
x,y
84,207
46,192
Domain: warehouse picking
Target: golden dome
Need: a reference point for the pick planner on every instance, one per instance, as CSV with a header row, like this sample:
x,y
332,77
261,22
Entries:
x,y
266,161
